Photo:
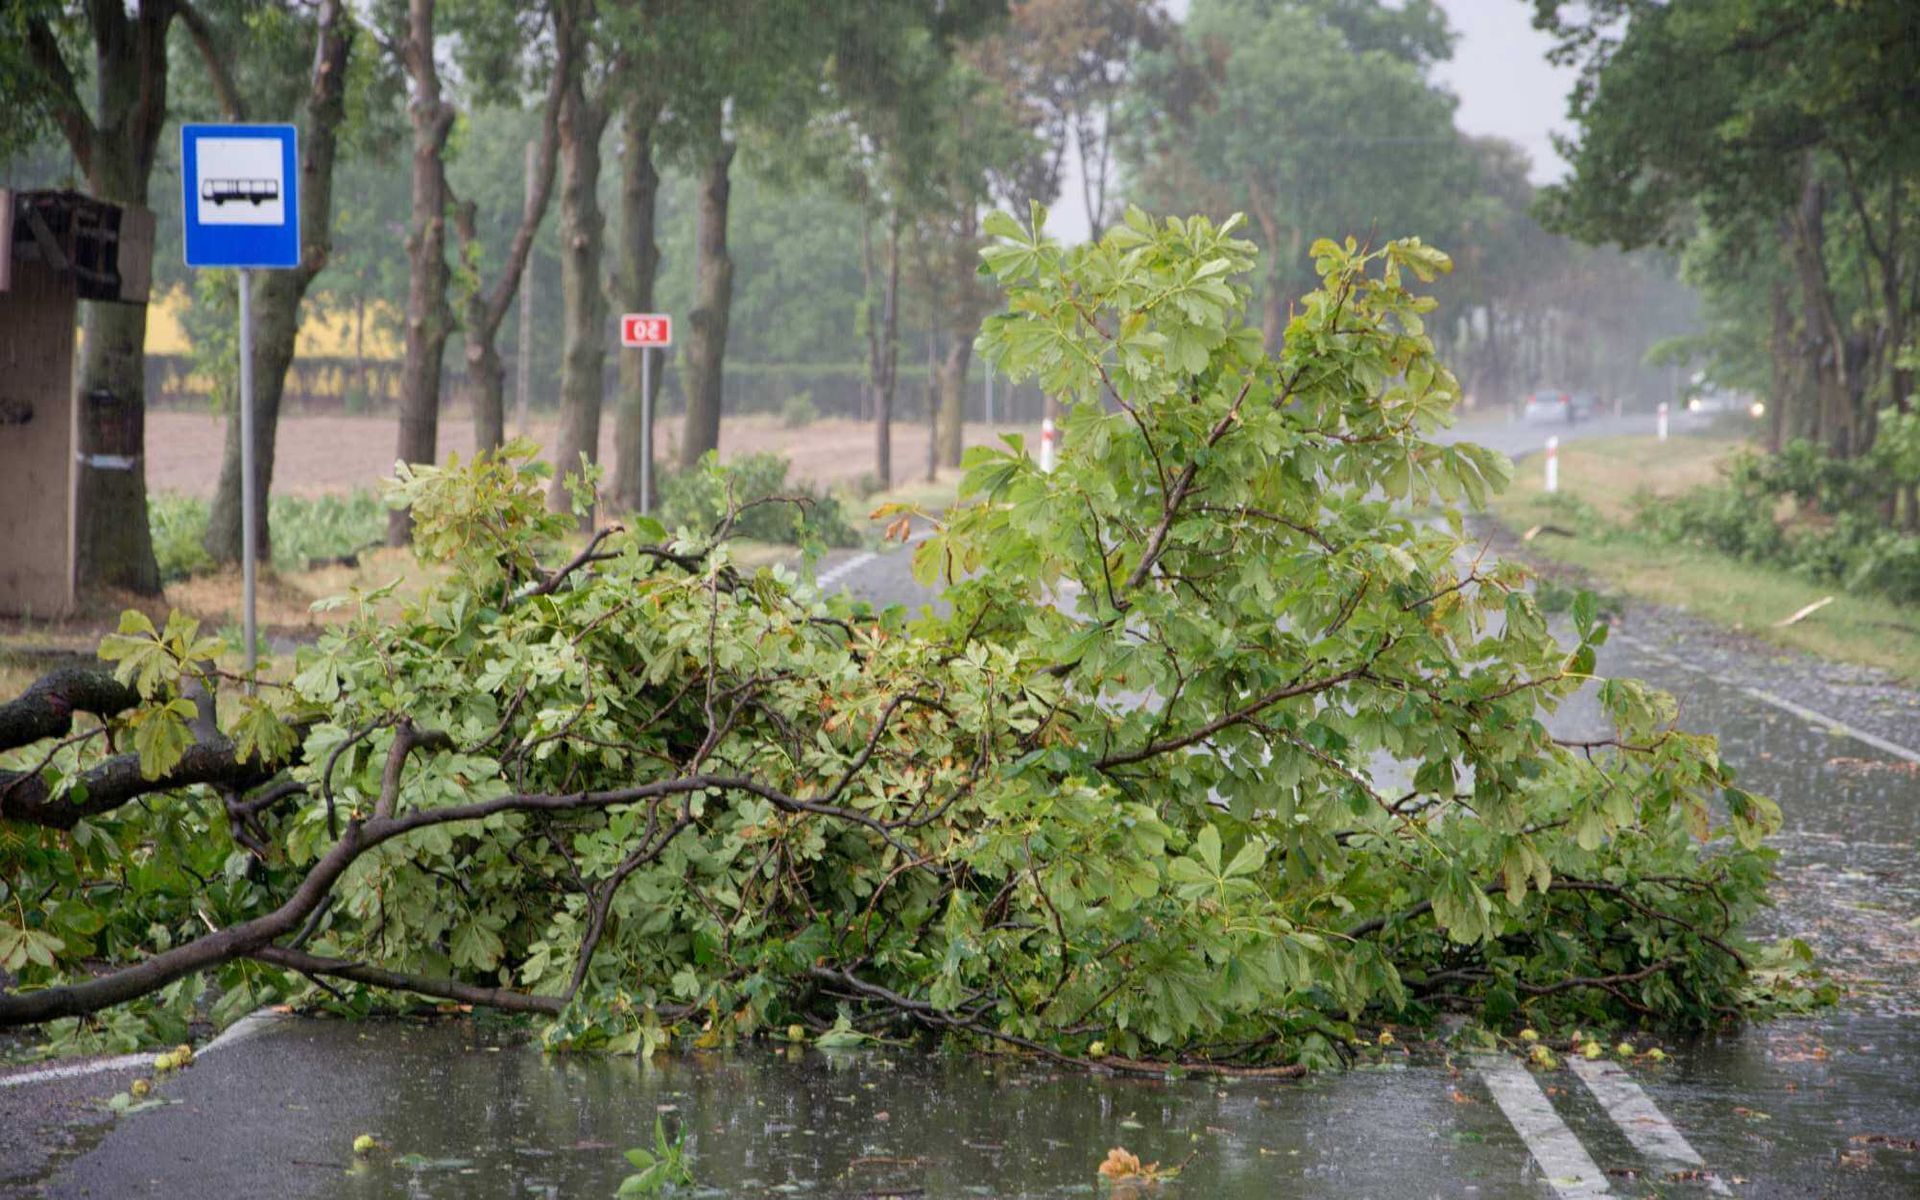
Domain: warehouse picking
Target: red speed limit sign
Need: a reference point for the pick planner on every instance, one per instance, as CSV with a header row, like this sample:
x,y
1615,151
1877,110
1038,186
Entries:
x,y
646,329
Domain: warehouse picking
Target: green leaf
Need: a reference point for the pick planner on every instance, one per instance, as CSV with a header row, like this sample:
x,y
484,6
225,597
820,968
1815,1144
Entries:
x,y
1207,846
1250,859
1002,225
161,736
1461,908
259,733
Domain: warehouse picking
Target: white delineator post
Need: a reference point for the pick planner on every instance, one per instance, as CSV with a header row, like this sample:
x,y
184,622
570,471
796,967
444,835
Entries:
x,y
1049,444
1553,464
1660,422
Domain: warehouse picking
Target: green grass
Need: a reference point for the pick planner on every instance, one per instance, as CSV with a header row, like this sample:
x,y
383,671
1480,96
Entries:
x,y
1598,480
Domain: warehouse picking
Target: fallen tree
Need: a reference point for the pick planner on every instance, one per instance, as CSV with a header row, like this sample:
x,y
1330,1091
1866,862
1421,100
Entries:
x,y
1126,788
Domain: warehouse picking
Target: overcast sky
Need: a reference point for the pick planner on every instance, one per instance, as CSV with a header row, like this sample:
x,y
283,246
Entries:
x,y
1505,83
1499,71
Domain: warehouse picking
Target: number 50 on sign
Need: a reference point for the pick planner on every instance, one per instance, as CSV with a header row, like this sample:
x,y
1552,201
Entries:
x,y
646,329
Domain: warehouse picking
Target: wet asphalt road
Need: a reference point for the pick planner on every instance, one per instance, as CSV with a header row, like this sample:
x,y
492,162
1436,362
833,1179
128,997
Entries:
x,y
1815,1107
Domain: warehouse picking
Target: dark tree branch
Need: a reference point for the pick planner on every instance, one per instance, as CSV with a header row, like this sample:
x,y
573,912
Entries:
x,y
440,989
201,32
1238,716
46,708
44,48
118,780
244,939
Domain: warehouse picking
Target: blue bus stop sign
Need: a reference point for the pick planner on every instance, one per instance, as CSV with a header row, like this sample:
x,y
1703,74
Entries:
x,y
240,193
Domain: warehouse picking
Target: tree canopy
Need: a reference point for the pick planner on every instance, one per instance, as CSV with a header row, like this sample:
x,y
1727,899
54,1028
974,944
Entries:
x,y
1776,141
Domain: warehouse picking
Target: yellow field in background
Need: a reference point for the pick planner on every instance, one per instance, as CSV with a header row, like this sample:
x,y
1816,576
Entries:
x,y
326,333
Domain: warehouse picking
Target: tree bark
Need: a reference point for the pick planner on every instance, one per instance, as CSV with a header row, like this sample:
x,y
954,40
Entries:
x,y
115,147
1828,351
639,262
707,337
428,318
484,311
953,397
883,346
583,303
1780,398
278,294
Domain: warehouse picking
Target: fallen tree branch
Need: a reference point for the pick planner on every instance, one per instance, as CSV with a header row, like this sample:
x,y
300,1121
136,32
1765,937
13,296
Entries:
x,y
46,708
440,989
118,780
242,940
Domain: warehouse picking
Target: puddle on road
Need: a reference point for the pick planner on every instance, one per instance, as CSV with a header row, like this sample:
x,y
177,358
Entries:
x,y
463,1113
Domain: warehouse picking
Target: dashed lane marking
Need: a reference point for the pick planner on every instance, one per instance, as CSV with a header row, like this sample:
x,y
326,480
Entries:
x,y
124,1062
235,1033
835,574
1641,1120
1569,1169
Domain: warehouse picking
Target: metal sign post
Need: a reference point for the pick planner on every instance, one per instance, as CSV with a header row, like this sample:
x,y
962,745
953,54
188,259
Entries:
x,y
646,429
249,510
644,332
240,198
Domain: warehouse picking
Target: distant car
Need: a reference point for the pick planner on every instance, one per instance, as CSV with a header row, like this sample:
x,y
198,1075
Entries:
x,y
1554,405
1713,400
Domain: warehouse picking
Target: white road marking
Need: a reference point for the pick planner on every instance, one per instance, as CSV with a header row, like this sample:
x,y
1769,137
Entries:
x,y
1813,717
1569,1169
836,573
125,1062
833,575
241,1030
1643,1122
235,1033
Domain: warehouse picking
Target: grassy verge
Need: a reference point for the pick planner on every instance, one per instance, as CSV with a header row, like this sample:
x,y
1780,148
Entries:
x,y
1586,527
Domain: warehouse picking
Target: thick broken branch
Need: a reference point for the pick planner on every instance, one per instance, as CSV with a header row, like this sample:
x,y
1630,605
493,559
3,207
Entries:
x,y
245,939
46,709
118,780
440,989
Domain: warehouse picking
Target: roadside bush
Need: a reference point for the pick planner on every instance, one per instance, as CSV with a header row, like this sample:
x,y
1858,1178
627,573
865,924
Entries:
x,y
178,524
770,508
798,411
650,796
1834,530
304,530
325,527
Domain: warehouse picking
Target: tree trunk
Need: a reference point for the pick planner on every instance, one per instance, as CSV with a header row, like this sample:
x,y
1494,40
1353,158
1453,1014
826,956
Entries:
x,y
583,302
963,324
484,311
953,398
1780,398
486,373
360,346
707,340
428,318
115,148
1827,346
883,348
639,261
277,294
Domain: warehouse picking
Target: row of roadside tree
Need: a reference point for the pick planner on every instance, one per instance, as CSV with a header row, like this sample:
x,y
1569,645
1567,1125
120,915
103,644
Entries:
x,y
450,147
